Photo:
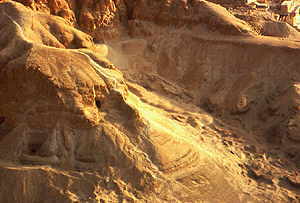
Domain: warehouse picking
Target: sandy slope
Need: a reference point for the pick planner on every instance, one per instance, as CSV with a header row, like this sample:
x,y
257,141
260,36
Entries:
x,y
194,109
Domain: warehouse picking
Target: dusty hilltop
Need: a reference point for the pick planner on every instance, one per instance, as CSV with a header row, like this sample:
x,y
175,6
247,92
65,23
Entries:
x,y
148,101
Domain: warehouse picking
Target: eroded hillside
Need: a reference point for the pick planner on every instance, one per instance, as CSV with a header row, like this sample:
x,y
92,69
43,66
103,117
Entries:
x,y
144,101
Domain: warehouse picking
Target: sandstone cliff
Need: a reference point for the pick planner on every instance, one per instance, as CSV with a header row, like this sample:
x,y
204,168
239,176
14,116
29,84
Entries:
x,y
144,101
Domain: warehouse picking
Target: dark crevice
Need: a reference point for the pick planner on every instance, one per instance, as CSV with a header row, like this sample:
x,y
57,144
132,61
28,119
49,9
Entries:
x,y
98,41
130,9
259,177
34,148
98,103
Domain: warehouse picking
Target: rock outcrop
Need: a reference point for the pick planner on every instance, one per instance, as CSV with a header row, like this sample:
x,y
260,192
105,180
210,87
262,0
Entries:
x,y
115,19
144,101
72,110
101,19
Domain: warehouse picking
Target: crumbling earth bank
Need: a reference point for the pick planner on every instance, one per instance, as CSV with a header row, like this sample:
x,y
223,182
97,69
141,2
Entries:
x,y
169,109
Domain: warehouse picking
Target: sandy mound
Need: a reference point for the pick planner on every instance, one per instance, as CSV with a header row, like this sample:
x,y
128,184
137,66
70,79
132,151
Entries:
x,y
204,14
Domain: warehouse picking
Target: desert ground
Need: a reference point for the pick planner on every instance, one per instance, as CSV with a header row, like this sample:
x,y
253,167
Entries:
x,y
147,101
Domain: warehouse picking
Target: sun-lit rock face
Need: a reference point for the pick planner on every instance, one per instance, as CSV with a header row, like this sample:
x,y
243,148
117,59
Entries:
x,y
72,109
144,101
248,82
50,31
101,19
115,19
189,14
54,84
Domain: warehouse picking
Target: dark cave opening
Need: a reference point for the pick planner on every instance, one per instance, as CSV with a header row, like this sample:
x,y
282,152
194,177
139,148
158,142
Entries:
x,y
34,148
98,103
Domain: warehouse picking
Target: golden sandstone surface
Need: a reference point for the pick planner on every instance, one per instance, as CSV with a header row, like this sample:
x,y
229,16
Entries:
x,y
145,101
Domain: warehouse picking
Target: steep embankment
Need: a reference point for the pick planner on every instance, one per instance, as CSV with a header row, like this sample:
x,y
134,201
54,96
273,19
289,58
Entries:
x,y
250,83
195,117
71,109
